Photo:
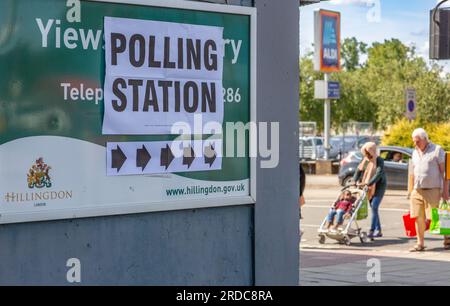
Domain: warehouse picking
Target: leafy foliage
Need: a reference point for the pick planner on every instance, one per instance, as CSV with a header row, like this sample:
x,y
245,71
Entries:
x,y
400,133
374,90
352,49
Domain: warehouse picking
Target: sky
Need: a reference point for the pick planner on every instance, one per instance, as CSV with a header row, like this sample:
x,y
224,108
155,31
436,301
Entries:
x,y
375,20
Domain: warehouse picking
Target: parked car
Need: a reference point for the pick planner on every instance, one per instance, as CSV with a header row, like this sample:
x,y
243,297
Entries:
x,y
341,145
396,171
311,148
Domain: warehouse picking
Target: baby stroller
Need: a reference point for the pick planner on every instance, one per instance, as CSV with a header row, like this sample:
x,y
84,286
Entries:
x,y
358,212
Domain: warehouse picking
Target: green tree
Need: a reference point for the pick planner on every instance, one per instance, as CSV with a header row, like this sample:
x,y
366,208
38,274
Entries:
x,y
310,109
375,91
351,51
354,104
391,68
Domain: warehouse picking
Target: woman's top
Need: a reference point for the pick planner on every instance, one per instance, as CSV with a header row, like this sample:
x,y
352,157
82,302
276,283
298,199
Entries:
x,y
379,178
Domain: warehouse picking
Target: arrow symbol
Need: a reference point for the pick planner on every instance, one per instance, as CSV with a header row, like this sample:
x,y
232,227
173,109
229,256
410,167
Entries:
x,y
188,156
142,157
166,156
210,155
118,159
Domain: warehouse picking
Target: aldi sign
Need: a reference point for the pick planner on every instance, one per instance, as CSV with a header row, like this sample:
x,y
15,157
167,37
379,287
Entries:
x,y
327,35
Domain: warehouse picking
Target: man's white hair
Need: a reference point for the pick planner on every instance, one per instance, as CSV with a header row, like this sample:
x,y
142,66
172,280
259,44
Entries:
x,y
421,134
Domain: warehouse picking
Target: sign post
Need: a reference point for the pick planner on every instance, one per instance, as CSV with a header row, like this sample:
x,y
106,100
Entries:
x,y
327,28
327,123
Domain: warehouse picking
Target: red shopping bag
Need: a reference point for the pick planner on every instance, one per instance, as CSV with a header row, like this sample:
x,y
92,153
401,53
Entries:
x,y
410,225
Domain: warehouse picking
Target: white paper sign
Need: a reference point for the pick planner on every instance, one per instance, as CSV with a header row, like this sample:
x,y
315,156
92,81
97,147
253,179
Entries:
x,y
160,74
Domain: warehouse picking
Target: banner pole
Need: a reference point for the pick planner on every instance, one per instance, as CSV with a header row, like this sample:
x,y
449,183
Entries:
x,y
327,120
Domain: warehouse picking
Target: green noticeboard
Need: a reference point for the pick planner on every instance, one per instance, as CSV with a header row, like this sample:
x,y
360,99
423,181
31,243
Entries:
x,y
52,150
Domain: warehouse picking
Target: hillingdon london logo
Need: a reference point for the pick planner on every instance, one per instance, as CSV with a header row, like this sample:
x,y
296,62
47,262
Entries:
x,y
38,177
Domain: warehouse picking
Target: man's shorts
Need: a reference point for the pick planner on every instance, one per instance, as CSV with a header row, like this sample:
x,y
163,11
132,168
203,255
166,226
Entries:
x,y
422,200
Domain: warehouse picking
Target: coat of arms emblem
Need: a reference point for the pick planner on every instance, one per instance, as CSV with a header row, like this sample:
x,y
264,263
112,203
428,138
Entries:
x,y
38,175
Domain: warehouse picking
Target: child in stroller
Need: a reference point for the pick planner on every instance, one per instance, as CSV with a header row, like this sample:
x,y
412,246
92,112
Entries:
x,y
341,209
351,203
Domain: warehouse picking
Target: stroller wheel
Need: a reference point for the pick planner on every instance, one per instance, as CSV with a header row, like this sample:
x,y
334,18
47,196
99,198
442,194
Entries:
x,y
322,239
363,237
347,241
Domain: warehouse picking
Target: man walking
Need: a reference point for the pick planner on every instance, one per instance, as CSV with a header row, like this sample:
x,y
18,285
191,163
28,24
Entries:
x,y
430,184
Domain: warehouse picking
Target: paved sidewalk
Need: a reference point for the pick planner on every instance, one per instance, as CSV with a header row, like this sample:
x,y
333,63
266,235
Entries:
x,y
337,269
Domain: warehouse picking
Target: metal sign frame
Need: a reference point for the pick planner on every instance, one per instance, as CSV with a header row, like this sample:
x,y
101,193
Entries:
x,y
131,208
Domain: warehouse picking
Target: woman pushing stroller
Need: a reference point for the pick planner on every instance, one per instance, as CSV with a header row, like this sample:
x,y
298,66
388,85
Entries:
x,y
371,173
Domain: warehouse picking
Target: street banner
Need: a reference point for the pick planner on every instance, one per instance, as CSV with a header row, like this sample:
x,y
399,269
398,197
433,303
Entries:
x,y
160,74
327,41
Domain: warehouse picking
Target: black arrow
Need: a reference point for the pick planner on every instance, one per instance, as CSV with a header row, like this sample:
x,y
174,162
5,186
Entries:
x,y
118,159
188,156
166,156
210,155
142,157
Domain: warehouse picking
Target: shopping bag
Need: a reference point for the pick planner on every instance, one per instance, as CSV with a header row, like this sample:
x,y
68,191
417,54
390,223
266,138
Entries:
x,y
440,219
363,211
410,225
